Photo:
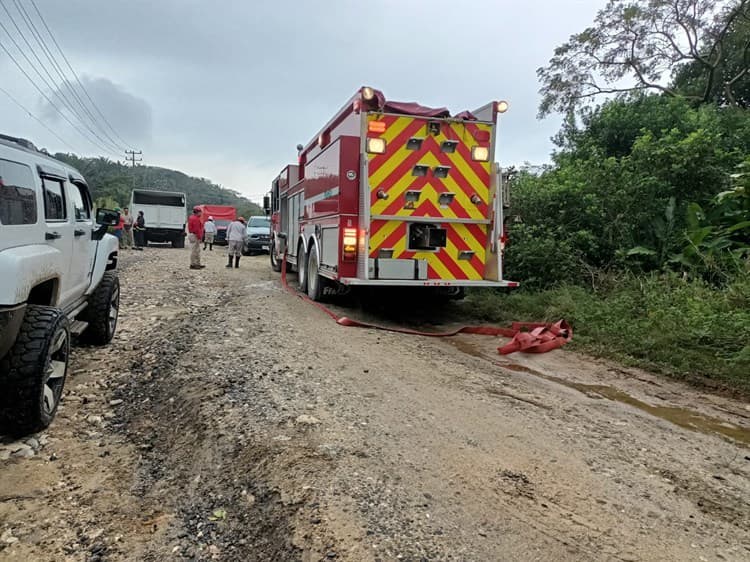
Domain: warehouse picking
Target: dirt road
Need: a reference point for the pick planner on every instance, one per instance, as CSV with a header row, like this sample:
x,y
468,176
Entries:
x,y
229,420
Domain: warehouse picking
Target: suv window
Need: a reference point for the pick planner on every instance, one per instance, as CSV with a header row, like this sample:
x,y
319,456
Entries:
x,y
80,202
17,197
54,200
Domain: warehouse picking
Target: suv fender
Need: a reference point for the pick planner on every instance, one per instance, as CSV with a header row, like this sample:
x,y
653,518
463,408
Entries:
x,y
106,259
25,267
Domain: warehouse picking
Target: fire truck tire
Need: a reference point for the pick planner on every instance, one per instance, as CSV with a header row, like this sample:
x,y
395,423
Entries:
x,y
301,268
314,280
275,261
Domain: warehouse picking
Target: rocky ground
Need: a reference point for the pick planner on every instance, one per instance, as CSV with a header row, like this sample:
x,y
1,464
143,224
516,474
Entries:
x,y
230,420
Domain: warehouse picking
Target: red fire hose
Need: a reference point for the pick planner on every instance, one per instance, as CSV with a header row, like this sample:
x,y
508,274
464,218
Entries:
x,y
528,337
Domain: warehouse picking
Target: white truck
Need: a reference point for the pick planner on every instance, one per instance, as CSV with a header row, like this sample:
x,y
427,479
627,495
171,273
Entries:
x,y
58,280
165,215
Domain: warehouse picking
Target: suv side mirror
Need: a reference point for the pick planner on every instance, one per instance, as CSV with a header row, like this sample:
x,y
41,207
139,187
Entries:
x,y
267,204
107,217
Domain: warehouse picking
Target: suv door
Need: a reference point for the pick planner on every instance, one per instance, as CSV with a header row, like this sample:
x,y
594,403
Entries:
x,y
82,258
59,229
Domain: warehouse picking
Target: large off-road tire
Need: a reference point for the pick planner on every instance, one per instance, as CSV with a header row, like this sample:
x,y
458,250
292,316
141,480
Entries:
x,y
314,281
301,269
102,311
275,261
32,374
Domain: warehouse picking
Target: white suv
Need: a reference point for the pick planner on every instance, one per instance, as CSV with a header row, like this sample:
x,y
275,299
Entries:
x,y
58,279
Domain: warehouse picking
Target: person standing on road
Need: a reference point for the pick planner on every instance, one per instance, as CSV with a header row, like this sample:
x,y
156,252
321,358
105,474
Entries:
x,y
209,231
235,240
140,231
127,229
195,235
117,230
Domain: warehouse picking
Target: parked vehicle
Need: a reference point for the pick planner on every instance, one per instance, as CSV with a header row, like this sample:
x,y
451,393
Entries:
x,y
59,280
393,194
258,235
165,213
223,215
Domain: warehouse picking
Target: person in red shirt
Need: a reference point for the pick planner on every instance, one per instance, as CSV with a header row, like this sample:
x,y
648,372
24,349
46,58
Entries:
x,y
195,236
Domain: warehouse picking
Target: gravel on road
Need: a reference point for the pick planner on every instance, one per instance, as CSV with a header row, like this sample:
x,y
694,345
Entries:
x,y
230,420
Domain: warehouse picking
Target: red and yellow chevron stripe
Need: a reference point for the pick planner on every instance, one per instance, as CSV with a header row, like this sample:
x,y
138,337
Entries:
x,y
467,180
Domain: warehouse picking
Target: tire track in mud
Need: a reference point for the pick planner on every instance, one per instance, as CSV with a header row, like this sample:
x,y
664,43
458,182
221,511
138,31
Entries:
x,y
202,475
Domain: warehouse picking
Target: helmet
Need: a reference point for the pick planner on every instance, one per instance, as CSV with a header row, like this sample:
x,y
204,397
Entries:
x,y
197,209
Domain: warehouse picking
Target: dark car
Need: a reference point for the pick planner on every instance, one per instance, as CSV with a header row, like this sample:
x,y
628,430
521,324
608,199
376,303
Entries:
x,y
221,232
257,236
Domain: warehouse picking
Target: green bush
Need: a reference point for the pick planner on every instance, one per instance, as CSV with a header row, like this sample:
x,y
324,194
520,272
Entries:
x,y
623,181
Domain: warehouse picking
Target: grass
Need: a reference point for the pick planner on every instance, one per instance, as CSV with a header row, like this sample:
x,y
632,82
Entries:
x,y
685,329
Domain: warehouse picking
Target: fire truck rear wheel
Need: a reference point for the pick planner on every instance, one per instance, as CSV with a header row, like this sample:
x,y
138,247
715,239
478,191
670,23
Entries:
x,y
314,280
301,268
275,261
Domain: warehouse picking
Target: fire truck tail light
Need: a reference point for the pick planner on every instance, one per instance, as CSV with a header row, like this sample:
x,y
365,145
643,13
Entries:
x,y
480,153
349,243
376,146
376,126
350,237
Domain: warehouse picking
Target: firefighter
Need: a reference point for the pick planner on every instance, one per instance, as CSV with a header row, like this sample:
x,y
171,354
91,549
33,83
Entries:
x,y
195,230
235,240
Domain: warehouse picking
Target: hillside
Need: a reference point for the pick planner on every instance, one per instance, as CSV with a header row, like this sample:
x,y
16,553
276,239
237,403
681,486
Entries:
x,y
111,184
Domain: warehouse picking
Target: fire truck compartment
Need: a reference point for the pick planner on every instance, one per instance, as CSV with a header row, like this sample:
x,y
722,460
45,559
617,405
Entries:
x,y
329,247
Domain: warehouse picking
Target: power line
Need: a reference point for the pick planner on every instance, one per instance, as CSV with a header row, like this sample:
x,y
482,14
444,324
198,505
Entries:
x,y
80,84
52,104
58,69
42,123
55,91
26,58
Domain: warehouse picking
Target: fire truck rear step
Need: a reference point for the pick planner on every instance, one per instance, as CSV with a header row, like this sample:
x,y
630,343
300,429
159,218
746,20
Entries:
x,y
403,269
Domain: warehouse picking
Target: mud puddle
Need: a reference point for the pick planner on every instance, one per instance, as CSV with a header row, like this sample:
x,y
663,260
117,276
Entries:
x,y
681,417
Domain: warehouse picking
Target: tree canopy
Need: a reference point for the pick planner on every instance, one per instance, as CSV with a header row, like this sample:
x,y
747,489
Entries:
x,y
696,49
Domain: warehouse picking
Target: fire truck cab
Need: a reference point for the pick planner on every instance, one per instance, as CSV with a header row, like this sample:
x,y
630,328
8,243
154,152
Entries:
x,y
392,193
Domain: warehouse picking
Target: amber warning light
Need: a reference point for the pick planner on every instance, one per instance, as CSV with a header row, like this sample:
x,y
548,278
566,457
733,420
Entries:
x,y
376,126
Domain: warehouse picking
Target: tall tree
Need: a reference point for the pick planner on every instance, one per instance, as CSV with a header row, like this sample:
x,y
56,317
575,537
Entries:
x,y
641,45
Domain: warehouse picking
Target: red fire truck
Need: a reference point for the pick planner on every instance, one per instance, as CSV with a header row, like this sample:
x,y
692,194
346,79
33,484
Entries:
x,y
393,193
222,215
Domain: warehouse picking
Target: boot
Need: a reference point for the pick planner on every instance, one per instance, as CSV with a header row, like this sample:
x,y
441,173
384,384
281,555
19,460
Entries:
x,y
236,261
229,264
210,247
204,247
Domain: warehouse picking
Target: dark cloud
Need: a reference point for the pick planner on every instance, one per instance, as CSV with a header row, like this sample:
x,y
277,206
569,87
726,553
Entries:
x,y
235,85
114,108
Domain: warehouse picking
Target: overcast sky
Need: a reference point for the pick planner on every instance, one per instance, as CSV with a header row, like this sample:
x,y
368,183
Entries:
x,y
226,89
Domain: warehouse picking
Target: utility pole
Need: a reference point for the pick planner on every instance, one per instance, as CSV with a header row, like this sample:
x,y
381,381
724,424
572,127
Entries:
x,y
131,155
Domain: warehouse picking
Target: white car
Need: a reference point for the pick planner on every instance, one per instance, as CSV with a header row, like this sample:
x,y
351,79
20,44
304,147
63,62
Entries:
x,y
59,280
257,235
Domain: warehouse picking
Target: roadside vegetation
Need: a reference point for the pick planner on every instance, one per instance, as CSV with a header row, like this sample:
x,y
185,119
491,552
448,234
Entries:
x,y
638,233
